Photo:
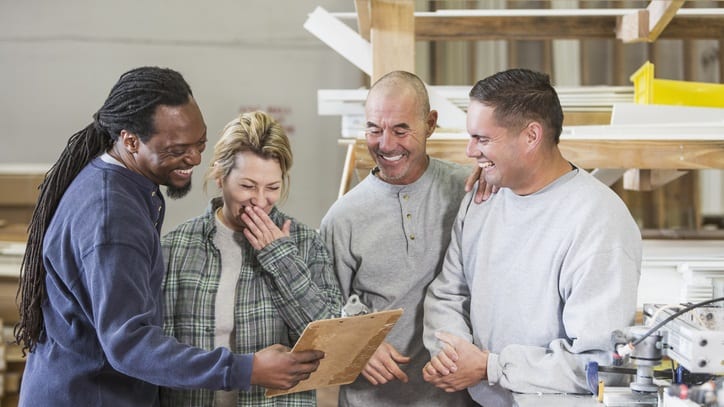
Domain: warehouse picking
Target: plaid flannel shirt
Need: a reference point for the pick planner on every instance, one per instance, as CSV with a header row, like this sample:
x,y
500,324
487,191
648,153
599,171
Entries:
x,y
281,288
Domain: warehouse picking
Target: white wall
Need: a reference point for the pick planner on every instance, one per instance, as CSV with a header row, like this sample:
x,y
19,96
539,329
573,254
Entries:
x,y
58,61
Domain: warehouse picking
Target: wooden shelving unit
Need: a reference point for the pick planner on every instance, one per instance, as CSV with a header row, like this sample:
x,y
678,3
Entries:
x,y
393,26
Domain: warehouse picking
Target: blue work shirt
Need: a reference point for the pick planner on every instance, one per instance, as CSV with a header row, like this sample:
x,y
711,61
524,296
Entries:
x,y
103,343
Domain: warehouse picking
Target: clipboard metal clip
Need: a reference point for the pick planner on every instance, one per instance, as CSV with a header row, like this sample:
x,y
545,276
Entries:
x,y
354,307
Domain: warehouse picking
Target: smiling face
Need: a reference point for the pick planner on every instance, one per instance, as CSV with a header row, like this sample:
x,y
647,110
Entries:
x,y
396,134
169,155
498,151
254,181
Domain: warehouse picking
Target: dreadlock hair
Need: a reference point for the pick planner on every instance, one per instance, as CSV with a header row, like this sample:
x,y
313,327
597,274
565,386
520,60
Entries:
x,y
130,106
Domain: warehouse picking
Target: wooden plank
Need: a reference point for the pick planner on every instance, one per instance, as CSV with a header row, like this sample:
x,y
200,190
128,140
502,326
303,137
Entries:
x,y
442,28
392,34
694,27
618,64
589,154
15,230
20,183
695,200
669,154
661,13
347,171
479,24
721,60
576,118
647,25
8,306
647,180
362,8
20,189
655,115
633,27
341,38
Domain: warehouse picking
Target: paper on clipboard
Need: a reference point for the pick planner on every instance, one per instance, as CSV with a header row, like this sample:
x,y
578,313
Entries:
x,y
348,343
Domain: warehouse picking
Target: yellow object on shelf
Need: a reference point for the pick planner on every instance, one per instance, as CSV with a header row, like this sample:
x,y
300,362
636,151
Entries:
x,y
648,90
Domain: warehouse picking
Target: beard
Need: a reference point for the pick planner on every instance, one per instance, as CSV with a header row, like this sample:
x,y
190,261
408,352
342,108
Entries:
x,y
178,192
392,175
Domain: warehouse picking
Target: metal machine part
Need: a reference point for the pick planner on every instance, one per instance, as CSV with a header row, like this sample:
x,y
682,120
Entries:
x,y
646,355
692,336
354,307
694,339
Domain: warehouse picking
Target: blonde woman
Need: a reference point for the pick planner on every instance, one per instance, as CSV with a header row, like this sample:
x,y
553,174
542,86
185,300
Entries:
x,y
244,275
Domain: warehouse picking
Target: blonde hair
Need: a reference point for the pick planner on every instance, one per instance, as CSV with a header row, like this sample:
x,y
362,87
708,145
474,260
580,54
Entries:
x,y
256,132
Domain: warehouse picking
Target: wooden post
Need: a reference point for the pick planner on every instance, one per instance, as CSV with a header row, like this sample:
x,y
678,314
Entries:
x,y
347,171
392,34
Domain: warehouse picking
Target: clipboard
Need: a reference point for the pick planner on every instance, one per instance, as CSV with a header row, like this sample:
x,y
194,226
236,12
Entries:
x,y
348,343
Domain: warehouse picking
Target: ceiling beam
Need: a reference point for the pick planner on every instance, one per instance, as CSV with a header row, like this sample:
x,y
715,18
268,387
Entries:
x,y
534,24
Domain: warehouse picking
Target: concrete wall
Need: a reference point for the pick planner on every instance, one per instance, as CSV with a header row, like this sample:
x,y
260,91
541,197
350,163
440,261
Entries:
x,y
58,61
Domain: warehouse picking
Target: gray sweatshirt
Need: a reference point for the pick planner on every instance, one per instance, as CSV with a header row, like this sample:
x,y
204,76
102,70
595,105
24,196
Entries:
x,y
388,242
540,281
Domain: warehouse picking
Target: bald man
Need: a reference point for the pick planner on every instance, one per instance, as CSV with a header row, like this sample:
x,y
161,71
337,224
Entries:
x,y
388,235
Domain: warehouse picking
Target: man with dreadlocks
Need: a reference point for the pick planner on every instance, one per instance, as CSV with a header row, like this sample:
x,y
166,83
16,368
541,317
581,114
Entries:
x,y
90,289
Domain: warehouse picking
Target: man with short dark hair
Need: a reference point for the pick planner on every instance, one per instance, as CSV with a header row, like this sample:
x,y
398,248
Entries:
x,y
537,277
